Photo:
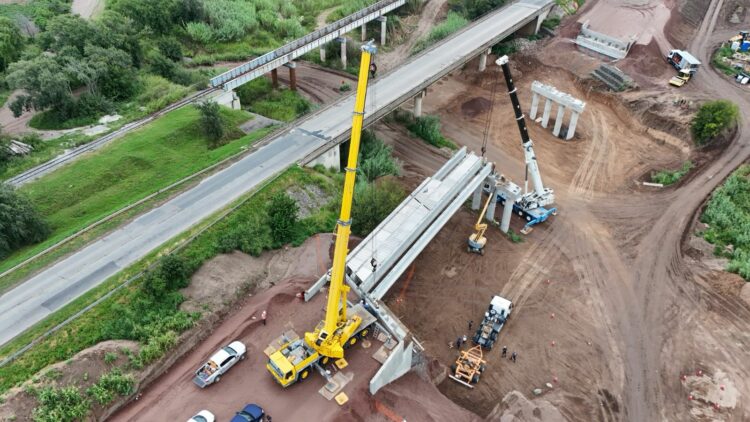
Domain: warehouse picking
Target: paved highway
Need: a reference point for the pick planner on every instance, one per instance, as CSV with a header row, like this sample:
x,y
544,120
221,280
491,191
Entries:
x,y
58,285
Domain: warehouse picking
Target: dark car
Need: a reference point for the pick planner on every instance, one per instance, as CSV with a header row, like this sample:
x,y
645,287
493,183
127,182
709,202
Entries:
x,y
250,413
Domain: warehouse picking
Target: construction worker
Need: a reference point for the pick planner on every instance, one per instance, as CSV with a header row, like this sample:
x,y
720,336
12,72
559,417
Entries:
x,y
263,316
505,351
373,69
471,322
513,357
458,342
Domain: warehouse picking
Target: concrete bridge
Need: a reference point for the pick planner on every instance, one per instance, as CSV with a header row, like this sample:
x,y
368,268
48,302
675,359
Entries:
x,y
313,139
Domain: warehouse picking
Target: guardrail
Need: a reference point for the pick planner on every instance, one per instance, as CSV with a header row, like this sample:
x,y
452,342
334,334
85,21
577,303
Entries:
x,y
285,54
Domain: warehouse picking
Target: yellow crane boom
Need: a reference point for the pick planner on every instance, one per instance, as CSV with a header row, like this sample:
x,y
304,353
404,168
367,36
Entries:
x,y
330,335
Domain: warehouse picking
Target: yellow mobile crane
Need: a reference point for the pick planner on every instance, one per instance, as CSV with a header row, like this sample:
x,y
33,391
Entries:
x,y
294,358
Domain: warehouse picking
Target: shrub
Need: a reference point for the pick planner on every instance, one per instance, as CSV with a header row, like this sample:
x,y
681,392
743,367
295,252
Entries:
x,y
199,32
110,357
452,23
20,223
282,217
666,177
211,122
114,382
551,22
375,158
373,202
170,48
472,9
428,128
714,118
60,405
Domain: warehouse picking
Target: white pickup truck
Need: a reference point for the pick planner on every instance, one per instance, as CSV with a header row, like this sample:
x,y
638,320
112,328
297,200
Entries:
x,y
219,363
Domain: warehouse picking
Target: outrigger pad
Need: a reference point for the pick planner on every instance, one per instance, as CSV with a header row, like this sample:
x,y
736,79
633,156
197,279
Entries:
x,y
341,363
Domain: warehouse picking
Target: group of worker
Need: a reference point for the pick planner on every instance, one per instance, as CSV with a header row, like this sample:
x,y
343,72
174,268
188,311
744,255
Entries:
x,y
461,340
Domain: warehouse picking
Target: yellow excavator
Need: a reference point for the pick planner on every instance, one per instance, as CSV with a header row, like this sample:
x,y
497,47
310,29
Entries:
x,y
290,358
477,239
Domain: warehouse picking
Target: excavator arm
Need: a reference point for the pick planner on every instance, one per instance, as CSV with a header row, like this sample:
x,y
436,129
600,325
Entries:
x,y
331,334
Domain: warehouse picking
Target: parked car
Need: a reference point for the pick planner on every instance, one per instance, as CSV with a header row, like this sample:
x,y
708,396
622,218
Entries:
x,y
250,413
203,416
219,363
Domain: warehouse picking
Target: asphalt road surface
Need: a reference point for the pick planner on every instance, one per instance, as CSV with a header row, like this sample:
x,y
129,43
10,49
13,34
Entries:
x,y
58,285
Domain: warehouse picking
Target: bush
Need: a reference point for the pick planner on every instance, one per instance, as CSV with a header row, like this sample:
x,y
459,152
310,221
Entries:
x,y
170,48
110,384
375,158
428,128
452,23
20,223
211,122
666,177
713,119
60,405
282,218
373,202
199,32
472,9
551,22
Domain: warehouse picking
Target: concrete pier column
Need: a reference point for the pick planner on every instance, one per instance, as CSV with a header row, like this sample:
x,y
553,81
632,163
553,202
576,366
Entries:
x,y
559,120
418,104
483,60
343,52
490,216
383,28
364,32
323,53
534,105
292,75
547,110
507,212
275,78
572,126
476,199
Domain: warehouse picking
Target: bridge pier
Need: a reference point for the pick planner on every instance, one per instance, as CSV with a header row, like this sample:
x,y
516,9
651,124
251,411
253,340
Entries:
x,y
547,110
275,78
363,28
532,28
572,126
292,75
330,159
323,53
559,119
227,99
534,105
382,20
418,103
483,60
342,40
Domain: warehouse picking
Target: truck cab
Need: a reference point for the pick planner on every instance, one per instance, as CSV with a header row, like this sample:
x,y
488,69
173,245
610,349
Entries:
x,y
292,362
493,321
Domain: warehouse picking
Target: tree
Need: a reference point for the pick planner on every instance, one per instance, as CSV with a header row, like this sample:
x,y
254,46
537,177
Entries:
x,y
119,31
186,11
170,48
713,118
20,223
155,15
211,121
282,217
46,83
67,30
11,42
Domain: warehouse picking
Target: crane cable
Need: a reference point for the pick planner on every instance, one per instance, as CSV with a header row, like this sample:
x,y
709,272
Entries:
x,y
489,113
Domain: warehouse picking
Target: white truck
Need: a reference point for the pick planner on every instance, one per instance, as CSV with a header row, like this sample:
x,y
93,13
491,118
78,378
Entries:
x,y
497,314
219,363
683,61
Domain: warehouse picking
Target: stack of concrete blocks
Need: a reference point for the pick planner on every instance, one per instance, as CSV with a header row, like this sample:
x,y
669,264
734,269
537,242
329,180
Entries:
x,y
564,101
613,77
604,44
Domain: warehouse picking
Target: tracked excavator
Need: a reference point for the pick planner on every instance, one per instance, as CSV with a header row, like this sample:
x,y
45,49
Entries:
x,y
291,358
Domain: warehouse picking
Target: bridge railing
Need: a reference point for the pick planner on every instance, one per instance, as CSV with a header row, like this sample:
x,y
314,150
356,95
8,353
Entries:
x,y
282,55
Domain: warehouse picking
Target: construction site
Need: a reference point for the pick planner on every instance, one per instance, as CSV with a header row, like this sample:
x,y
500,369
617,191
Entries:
x,y
534,273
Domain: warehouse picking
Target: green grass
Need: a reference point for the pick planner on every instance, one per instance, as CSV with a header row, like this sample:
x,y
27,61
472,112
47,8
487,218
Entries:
x,y
669,177
426,128
259,96
43,152
88,329
551,23
727,215
127,170
47,120
452,23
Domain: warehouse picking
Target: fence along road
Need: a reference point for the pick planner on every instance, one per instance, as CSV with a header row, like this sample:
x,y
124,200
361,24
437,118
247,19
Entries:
x,y
53,288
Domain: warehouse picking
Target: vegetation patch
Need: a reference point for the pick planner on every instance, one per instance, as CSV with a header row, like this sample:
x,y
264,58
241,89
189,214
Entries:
x,y
425,127
669,177
722,61
472,9
713,119
376,159
452,23
259,96
20,222
727,216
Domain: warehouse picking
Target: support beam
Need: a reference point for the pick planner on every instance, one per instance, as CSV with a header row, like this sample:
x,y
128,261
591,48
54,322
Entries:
x,y
418,104
275,78
476,199
292,75
572,126
323,53
383,20
547,110
559,119
343,52
483,60
534,105
363,28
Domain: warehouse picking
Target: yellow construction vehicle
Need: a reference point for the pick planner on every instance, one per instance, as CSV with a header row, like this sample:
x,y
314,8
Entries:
x,y
292,358
477,239
468,367
681,79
